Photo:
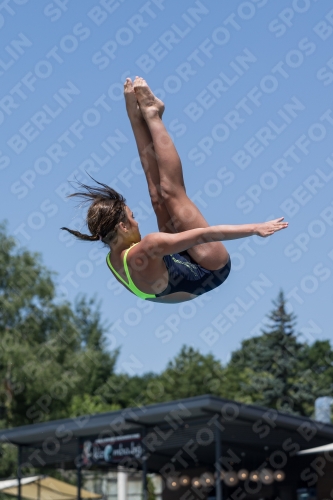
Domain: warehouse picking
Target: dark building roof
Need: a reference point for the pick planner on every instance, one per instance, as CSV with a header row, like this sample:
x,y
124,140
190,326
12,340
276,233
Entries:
x,y
169,427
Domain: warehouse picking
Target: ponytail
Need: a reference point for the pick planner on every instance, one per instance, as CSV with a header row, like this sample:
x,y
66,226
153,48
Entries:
x,y
106,211
81,236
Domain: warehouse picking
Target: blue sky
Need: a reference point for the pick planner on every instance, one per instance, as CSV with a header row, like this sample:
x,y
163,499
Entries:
x,y
248,94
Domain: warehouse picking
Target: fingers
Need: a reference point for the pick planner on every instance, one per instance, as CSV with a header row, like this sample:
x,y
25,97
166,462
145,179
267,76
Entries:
x,y
278,222
280,226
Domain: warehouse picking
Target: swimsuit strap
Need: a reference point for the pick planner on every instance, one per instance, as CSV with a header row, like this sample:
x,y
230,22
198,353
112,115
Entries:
x,y
130,283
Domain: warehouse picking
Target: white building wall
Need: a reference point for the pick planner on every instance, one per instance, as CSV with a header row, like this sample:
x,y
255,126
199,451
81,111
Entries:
x,y
108,485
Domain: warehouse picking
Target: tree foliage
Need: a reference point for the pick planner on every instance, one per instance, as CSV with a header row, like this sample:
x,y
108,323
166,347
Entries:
x,y
53,357
279,371
189,374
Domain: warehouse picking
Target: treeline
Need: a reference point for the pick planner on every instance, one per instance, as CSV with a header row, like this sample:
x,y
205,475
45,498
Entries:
x,y
54,361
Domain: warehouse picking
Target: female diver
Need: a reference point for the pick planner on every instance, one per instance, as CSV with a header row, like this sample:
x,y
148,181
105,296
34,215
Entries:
x,y
186,258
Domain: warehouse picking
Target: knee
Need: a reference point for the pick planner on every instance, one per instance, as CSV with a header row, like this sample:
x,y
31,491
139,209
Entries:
x,y
157,202
158,205
169,191
155,197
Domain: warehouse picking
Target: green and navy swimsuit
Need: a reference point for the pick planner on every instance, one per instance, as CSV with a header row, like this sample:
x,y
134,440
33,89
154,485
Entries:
x,y
185,275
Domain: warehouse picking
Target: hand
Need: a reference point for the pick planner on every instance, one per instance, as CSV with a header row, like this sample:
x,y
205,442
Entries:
x,y
265,229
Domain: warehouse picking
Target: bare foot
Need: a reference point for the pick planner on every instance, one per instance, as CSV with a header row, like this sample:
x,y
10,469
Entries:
x,y
150,105
132,106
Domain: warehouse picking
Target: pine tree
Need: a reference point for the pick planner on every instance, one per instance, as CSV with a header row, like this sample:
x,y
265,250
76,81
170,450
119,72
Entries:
x,y
277,376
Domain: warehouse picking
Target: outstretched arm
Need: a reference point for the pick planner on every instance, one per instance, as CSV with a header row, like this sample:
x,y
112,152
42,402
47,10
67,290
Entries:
x,y
160,244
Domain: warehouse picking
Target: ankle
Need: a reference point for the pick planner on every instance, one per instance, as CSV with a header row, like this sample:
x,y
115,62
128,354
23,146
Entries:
x,y
151,114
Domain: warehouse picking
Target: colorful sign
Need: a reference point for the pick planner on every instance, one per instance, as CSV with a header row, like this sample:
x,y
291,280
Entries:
x,y
112,449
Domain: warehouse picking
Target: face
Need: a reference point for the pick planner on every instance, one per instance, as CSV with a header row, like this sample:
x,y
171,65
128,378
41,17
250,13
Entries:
x,y
133,226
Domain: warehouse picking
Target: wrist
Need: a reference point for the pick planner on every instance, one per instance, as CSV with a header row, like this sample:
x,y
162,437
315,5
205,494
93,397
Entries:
x,y
255,230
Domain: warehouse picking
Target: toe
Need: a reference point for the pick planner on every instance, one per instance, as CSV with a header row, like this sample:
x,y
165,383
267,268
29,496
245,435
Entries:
x,y
128,85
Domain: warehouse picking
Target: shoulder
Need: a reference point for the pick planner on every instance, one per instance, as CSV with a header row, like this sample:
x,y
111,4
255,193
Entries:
x,y
149,248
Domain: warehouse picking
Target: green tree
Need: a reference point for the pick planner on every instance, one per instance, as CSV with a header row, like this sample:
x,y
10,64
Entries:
x,y
52,354
190,374
151,489
8,460
275,369
317,366
124,390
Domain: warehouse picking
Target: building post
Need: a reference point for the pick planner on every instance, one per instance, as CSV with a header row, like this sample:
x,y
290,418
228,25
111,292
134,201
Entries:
x,y
144,468
19,472
38,488
122,477
79,469
218,455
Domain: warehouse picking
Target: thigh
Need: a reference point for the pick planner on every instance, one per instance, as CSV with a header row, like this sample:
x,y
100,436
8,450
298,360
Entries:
x,y
185,215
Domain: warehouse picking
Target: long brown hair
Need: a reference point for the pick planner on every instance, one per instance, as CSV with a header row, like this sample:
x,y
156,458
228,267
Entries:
x,y
106,210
